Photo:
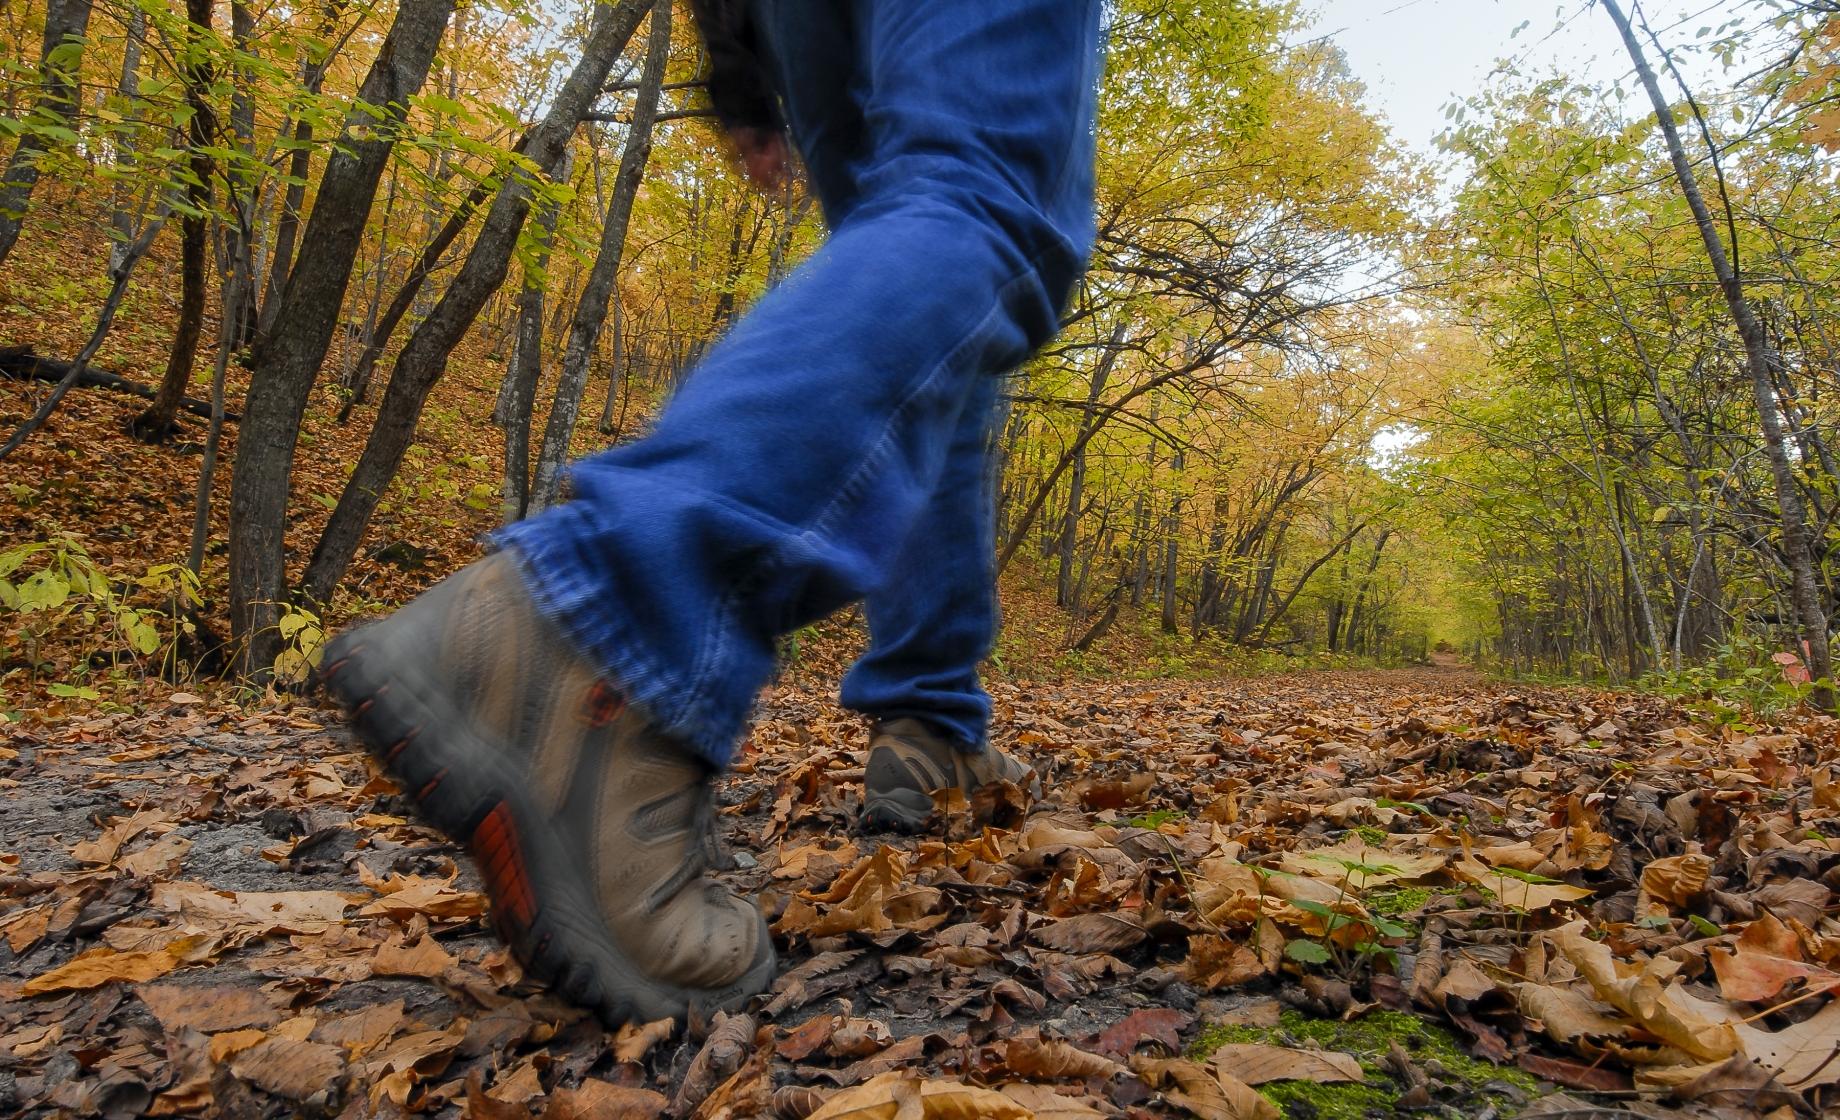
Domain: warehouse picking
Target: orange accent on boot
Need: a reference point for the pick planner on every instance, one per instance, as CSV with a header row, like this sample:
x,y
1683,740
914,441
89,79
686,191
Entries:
x,y
396,748
429,786
602,705
501,862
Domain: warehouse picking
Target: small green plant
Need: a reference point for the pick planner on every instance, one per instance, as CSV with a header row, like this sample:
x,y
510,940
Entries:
x,y
1406,806
64,591
1740,678
302,637
1371,929
1156,818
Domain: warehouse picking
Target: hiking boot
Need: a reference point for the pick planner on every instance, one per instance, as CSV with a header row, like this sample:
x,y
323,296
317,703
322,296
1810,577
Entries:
x,y
908,761
591,829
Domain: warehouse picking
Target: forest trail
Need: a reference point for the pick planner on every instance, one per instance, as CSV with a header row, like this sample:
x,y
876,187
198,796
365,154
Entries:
x,y
225,910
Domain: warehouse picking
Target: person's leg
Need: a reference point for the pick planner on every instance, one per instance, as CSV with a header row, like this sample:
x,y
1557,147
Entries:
x,y
935,617
563,704
782,482
930,624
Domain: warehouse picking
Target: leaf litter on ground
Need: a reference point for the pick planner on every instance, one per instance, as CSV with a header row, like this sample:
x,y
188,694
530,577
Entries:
x,y
1228,894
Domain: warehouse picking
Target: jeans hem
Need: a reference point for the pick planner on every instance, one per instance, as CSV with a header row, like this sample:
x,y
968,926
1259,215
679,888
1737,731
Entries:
x,y
611,649
951,732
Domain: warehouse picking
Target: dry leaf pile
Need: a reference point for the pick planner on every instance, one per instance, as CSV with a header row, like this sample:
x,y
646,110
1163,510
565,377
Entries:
x,y
218,912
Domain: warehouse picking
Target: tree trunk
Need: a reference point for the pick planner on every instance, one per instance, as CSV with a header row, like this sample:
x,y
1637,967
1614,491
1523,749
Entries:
x,y
128,88
66,22
287,226
157,423
237,287
424,356
1107,616
616,373
1076,479
235,323
526,368
1140,533
357,385
591,310
1172,533
1356,642
1760,361
288,359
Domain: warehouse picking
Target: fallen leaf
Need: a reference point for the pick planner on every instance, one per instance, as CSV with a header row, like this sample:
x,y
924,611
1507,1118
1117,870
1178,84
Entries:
x,y
1044,1103
1574,1075
870,897
1520,894
1162,1025
103,965
258,911
911,1098
634,1041
1257,1064
208,1008
1676,880
160,858
1567,1016
25,928
731,1039
404,896
1644,994
1090,933
424,958
228,1043
1361,865
1802,1055
1766,958
104,848
1054,1060
523,1083
1210,1096
359,1032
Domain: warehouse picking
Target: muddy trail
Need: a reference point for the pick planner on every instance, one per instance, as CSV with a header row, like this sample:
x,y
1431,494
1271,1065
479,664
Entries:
x,y
1314,896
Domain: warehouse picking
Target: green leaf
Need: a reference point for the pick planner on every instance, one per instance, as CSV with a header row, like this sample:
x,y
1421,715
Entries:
x,y
43,590
1305,951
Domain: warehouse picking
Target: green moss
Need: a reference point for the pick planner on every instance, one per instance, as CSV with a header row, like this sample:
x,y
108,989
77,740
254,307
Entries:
x,y
1368,1040
1374,836
1394,901
1306,1100
1215,1035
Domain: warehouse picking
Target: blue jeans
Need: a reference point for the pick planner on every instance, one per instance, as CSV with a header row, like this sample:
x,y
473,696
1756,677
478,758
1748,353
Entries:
x,y
831,448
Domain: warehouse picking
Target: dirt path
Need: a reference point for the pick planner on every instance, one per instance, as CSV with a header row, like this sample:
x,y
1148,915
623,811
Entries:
x,y
228,913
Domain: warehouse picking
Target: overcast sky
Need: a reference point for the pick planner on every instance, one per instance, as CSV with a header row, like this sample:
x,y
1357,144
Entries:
x,y
1416,56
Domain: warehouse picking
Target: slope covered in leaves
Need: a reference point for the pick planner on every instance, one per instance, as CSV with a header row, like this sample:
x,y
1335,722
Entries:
x,y
1332,894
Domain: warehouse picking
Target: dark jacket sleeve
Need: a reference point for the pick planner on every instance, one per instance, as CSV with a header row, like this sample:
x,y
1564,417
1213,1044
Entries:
x,y
739,89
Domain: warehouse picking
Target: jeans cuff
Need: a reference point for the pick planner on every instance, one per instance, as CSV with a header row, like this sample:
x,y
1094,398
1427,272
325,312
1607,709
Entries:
x,y
580,610
959,736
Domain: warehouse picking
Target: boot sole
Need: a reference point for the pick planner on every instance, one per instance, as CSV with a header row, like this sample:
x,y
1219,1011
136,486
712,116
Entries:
x,y
896,811
461,784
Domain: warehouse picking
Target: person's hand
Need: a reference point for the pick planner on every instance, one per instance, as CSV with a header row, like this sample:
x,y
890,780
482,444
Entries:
x,y
763,154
